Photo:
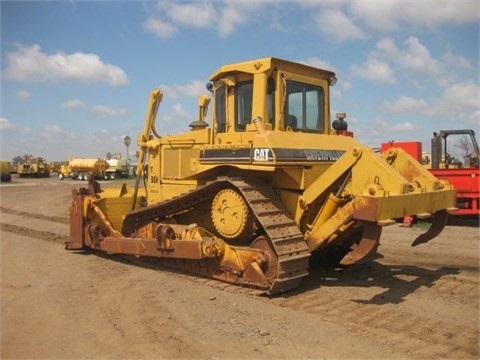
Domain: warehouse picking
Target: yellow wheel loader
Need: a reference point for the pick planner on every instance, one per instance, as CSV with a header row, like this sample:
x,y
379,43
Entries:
x,y
249,195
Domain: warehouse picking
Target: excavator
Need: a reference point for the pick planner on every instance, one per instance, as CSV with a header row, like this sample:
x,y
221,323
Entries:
x,y
250,194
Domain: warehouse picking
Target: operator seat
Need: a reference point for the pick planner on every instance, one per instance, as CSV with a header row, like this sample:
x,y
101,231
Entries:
x,y
291,121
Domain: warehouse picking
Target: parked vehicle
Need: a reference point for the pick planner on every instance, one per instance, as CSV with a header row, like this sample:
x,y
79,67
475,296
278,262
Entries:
x,y
81,169
34,167
6,170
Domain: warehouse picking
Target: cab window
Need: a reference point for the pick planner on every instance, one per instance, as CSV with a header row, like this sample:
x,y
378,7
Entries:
x,y
304,106
243,105
220,109
271,101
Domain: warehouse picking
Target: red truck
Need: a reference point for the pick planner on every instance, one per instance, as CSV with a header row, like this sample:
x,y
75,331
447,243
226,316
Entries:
x,y
463,174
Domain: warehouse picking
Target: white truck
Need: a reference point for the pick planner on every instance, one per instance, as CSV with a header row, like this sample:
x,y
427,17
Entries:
x,y
118,168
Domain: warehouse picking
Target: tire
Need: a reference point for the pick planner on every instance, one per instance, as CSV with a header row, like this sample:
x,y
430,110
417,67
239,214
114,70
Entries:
x,y
6,178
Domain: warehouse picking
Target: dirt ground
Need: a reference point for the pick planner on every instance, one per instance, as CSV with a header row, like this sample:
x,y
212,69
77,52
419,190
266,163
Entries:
x,y
409,303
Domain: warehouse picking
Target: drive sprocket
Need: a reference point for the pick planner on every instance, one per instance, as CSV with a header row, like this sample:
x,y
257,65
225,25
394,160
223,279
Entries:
x,y
231,216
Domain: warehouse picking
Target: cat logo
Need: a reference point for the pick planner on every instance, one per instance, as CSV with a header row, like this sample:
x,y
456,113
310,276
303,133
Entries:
x,y
261,154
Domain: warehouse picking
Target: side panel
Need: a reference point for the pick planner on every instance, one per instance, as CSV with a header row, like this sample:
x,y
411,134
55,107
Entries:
x,y
467,184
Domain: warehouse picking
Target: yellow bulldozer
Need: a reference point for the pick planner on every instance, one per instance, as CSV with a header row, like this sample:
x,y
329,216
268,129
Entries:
x,y
249,195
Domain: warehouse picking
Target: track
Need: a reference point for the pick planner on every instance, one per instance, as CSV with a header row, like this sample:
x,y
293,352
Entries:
x,y
282,231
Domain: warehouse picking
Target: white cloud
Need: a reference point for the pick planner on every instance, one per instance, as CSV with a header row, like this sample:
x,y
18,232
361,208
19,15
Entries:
x,y
197,14
407,105
195,88
335,23
341,20
374,70
404,127
29,63
346,85
378,15
180,112
387,59
417,57
461,97
474,119
224,16
384,127
71,104
23,95
318,63
389,15
456,61
159,27
51,130
414,56
235,13
5,124
335,94
107,111
459,103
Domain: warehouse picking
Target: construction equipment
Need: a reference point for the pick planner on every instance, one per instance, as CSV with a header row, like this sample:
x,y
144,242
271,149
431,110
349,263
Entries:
x,y
81,169
462,172
6,169
118,168
34,167
55,166
248,197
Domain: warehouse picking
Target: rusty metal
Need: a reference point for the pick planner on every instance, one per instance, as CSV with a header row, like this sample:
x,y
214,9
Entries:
x,y
439,220
367,246
76,222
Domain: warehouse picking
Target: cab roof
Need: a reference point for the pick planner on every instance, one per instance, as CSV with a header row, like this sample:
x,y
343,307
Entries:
x,y
265,64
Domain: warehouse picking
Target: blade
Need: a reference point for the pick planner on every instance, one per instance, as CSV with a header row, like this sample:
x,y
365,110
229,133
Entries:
x,y
367,246
438,223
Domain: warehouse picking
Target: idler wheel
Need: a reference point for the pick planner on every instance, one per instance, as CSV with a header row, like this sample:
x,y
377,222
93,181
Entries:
x,y
269,268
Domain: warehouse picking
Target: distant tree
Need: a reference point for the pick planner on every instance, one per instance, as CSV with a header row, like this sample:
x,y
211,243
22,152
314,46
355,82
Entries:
x,y
108,155
17,160
464,145
20,159
466,148
126,142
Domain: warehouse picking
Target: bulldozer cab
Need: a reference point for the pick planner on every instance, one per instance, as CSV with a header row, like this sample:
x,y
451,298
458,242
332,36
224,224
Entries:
x,y
284,95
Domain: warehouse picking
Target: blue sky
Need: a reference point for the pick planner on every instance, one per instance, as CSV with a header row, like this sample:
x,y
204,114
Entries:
x,y
76,75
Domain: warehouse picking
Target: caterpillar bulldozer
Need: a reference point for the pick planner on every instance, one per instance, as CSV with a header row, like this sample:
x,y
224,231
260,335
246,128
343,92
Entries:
x,y
250,195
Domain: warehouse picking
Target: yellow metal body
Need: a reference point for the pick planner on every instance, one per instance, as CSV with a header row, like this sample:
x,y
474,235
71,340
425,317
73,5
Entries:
x,y
270,122
35,167
6,169
81,168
